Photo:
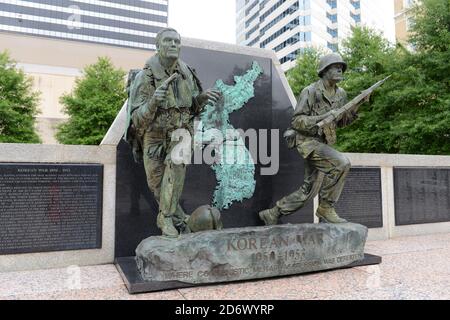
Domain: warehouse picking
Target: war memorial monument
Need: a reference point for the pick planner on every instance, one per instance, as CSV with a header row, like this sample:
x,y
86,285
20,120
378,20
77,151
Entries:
x,y
214,172
165,99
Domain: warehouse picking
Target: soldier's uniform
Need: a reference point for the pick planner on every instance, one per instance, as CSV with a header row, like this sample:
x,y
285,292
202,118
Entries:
x,y
313,147
325,168
153,125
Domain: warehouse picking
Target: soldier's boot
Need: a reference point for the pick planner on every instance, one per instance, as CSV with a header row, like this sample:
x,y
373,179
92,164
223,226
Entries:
x,y
270,216
165,224
183,226
184,229
329,215
180,221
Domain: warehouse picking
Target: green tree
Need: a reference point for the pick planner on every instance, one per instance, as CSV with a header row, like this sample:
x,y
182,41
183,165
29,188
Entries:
x,y
93,104
18,104
411,112
370,58
430,31
305,70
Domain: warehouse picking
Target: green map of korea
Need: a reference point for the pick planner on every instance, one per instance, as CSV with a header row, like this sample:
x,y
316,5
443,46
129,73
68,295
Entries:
x,y
234,167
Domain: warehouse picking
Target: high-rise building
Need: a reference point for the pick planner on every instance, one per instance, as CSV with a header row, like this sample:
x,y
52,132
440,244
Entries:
x,y
402,19
53,40
289,26
126,23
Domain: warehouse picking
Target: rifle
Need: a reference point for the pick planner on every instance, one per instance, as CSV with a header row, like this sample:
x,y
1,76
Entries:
x,y
325,124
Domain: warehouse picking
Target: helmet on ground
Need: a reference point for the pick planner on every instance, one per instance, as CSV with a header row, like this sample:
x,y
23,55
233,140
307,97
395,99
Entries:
x,y
328,60
205,218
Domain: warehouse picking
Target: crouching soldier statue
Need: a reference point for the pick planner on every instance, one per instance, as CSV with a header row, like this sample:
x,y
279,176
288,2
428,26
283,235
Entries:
x,y
321,108
325,168
165,96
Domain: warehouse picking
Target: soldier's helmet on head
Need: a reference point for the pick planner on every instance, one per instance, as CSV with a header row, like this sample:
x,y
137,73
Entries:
x,y
328,60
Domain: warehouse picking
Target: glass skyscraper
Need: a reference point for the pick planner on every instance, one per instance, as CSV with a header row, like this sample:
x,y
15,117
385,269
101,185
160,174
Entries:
x,y
126,23
289,26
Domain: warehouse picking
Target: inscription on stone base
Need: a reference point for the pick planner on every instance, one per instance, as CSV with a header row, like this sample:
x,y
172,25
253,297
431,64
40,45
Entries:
x,y
250,253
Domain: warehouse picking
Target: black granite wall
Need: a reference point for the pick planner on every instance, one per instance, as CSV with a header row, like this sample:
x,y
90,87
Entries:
x,y
361,199
50,207
136,209
422,195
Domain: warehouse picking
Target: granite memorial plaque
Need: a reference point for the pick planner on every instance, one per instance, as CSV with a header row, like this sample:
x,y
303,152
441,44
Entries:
x,y
361,199
422,195
270,108
50,207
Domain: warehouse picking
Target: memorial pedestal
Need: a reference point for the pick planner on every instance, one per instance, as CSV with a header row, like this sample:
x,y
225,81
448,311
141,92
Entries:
x,y
243,254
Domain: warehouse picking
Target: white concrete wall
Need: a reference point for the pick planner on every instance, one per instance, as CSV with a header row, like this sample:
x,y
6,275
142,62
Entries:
x,y
387,162
61,154
52,82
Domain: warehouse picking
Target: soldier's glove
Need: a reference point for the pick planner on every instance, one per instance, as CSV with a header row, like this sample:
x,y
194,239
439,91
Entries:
x,y
209,96
290,136
160,94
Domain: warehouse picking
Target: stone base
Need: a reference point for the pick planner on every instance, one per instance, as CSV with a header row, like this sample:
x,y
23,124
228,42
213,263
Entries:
x,y
250,253
135,284
245,253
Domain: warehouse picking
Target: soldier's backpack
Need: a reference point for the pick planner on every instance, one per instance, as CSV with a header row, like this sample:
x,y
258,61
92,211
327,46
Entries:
x,y
130,135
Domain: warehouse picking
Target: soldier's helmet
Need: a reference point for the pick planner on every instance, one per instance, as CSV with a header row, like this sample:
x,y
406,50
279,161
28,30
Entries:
x,y
205,218
328,60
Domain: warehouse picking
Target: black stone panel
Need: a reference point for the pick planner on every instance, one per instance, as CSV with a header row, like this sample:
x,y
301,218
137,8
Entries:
x,y
361,199
290,175
136,209
50,207
422,195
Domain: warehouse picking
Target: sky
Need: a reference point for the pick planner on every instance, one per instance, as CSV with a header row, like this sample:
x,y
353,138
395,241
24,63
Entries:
x,y
204,19
216,19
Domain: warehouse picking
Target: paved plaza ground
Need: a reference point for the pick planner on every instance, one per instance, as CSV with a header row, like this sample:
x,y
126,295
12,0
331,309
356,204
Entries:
x,y
412,268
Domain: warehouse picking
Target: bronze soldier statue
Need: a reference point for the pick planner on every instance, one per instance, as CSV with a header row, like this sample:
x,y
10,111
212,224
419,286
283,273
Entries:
x,y
165,96
325,168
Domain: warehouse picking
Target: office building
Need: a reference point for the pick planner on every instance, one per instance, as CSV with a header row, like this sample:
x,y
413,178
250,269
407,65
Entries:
x,y
126,23
403,20
53,40
290,26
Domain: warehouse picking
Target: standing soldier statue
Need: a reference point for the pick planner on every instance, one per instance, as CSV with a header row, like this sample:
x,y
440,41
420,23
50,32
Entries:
x,y
165,96
321,108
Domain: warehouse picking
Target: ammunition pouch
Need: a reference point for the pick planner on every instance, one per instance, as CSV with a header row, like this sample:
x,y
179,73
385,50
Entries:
x,y
290,136
329,132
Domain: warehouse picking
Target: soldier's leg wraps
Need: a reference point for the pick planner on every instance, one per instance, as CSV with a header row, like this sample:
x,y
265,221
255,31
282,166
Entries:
x,y
309,189
335,167
179,216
